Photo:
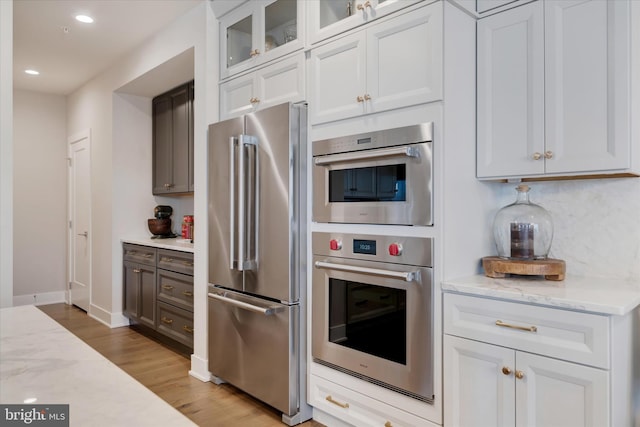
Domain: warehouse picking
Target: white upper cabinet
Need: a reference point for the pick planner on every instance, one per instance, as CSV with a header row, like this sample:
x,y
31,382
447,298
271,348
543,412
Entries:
x,y
258,32
553,90
281,81
328,18
378,68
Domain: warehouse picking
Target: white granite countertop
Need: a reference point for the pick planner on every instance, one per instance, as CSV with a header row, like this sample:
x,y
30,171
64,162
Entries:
x,y
41,359
176,244
603,296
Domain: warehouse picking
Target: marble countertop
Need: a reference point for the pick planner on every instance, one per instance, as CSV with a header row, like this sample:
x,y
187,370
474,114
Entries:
x,y
597,295
176,244
41,359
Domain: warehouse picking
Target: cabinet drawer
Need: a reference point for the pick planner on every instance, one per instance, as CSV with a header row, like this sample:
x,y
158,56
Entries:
x,y
181,262
358,409
139,254
175,323
569,335
176,289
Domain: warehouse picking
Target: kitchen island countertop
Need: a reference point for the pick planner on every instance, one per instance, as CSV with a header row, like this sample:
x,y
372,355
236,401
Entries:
x,y
596,295
176,244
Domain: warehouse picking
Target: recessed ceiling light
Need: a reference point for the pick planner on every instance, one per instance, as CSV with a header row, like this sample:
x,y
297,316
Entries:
x,y
84,18
32,72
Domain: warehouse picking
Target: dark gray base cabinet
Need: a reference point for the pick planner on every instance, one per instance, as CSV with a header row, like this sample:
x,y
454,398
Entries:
x,y
158,291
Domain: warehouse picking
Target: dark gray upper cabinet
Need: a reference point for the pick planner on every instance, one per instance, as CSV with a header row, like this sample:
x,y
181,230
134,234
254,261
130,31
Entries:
x,y
173,141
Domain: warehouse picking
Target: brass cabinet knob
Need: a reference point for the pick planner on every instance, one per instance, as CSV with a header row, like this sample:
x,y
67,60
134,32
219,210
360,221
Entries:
x,y
254,52
254,100
388,424
548,154
519,375
367,97
359,98
363,5
536,156
506,370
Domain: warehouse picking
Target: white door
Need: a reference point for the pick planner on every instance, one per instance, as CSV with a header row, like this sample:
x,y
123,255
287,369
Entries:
x,y
80,220
478,384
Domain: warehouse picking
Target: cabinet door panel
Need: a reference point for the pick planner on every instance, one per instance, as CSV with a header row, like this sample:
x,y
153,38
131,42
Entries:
x,y
281,82
162,134
401,72
337,79
557,393
586,85
147,280
131,291
511,92
180,137
475,388
235,96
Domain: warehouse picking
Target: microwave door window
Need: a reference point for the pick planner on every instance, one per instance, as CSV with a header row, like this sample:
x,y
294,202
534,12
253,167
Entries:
x,y
368,318
368,184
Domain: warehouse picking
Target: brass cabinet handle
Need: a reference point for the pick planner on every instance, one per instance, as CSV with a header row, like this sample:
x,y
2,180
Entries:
x,y
519,375
167,186
548,154
137,270
536,156
363,5
167,287
388,424
165,259
167,321
335,402
187,293
359,98
506,370
254,52
367,97
520,328
132,252
188,263
187,329
148,255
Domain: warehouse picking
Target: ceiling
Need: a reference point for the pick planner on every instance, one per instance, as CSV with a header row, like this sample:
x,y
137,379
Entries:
x,y
68,53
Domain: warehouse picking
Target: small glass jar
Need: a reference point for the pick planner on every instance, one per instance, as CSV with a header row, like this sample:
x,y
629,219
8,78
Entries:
x,y
523,230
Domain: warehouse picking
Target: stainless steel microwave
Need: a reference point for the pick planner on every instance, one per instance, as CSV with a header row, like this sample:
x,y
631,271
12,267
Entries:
x,y
382,177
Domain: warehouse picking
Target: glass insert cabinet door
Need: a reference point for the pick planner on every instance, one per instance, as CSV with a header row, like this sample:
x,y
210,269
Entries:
x,y
259,31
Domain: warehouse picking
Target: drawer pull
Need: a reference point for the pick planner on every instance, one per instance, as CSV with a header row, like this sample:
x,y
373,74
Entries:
x,y
187,293
167,259
188,263
519,375
132,252
506,370
187,329
137,270
520,328
167,287
335,402
167,321
148,255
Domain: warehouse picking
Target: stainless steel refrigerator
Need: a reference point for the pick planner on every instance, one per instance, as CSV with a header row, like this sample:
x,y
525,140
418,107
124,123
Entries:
x,y
257,256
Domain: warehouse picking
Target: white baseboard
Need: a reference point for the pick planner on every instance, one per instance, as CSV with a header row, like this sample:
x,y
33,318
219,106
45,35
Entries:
x,y
39,298
112,320
200,368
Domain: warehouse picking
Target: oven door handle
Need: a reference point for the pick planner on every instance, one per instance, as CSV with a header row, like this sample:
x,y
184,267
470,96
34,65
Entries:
x,y
404,151
408,276
267,311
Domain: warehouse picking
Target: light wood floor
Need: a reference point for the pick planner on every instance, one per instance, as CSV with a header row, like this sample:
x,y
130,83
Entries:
x,y
165,372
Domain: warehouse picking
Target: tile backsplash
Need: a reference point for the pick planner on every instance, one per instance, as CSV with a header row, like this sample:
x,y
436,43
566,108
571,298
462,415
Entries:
x,y
596,223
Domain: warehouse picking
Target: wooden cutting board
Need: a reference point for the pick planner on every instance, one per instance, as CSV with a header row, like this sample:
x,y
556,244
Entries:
x,y
551,269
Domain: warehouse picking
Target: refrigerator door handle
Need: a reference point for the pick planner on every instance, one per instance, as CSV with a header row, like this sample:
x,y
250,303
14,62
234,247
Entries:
x,y
232,202
267,311
246,179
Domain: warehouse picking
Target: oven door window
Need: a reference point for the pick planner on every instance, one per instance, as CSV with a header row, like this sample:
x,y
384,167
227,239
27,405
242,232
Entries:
x,y
368,318
370,184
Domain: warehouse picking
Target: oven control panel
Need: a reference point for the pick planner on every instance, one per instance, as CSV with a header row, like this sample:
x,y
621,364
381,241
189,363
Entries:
x,y
395,249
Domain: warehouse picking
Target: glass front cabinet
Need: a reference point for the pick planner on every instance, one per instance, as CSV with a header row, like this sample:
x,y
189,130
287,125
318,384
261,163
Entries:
x,y
258,32
332,17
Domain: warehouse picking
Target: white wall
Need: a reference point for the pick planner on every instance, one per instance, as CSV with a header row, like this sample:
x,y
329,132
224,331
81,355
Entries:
x,y
40,197
6,153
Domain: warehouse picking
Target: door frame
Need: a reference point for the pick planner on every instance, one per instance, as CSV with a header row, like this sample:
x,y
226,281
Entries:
x,y
80,136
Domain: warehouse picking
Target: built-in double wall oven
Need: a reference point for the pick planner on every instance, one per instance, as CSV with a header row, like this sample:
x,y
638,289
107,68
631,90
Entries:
x,y
372,295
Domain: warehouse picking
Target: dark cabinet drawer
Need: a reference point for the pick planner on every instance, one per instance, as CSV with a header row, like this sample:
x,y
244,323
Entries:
x,y
180,262
175,323
175,288
140,254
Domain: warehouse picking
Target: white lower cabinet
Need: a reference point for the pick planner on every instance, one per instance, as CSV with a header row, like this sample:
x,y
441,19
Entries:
x,y
493,376
489,385
283,81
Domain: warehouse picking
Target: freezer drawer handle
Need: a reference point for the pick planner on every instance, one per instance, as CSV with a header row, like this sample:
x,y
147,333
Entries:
x,y
408,276
266,311
367,154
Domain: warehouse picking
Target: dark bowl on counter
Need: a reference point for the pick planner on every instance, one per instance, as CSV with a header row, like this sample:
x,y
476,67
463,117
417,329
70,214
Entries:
x,y
159,226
